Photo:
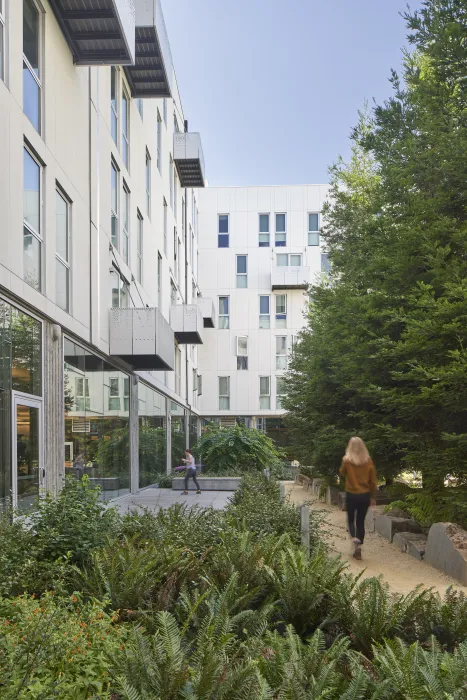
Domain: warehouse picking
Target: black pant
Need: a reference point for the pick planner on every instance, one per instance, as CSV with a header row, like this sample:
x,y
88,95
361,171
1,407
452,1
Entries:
x,y
191,473
357,505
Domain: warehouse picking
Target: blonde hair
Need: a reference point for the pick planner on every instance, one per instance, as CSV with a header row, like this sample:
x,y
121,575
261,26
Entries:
x,y
357,451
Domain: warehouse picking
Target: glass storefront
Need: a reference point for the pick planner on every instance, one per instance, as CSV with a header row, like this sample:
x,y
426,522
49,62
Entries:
x,y
20,407
193,435
178,433
97,410
152,420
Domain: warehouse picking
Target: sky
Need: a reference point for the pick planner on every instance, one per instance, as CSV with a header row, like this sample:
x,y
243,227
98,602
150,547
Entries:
x,y
275,86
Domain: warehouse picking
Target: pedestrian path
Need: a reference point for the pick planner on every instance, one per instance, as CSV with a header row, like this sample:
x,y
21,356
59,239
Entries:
x,y
155,498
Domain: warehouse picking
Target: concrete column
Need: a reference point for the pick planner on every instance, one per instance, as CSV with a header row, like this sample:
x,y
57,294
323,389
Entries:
x,y
134,435
54,408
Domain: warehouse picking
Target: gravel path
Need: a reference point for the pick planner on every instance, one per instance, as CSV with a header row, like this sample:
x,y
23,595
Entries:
x,y
380,558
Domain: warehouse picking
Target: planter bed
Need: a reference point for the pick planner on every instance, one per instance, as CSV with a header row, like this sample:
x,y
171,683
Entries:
x,y
208,483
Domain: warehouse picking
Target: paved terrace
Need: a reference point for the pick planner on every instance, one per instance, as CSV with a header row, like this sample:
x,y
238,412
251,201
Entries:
x,y
155,498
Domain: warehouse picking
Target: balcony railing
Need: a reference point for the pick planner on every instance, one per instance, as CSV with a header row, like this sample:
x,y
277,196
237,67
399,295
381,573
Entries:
x,y
142,338
208,311
187,323
283,277
189,159
98,33
152,72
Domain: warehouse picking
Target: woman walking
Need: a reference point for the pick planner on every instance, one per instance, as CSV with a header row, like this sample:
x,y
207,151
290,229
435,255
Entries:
x,y
190,471
360,483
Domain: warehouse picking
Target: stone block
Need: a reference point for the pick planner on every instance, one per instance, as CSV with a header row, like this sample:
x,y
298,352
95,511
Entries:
x,y
371,516
412,543
332,495
386,526
317,486
341,500
208,483
446,550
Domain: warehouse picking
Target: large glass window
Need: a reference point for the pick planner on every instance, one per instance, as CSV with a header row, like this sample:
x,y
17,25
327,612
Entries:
x,y
224,318
313,229
96,421
139,249
264,230
2,40
280,391
281,352
126,223
325,263
114,232
178,433
120,294
32,228
20,370
223,231
224,393
265,393
242,272
286,260
281,311
126,129
113,103
152,421
31,63
242,352
281,235
264,311
62,250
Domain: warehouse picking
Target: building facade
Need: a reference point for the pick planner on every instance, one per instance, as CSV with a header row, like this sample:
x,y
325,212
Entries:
x,y
260,249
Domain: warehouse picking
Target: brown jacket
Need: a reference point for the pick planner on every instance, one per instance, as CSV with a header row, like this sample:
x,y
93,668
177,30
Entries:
x,y
359,479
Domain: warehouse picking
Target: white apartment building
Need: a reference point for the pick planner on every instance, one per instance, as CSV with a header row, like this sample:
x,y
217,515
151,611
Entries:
x,y
259,249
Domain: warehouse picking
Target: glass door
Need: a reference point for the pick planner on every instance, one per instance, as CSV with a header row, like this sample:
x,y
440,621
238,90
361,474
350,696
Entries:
x,y
28,471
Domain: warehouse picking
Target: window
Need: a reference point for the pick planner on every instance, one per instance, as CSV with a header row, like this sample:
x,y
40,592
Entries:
x,y
159,141
148,184
192,250
139,249
2,40
294,343
223,231
126,223
285,260
175,194
159,279
125,129
194,384
281,352
281,311
114,232
264,312
31,63
176,129
265,393
114,394
82,396
139,106
242,352
119,291
176,254
325,263
242,274
280,391
126,393
178,371
165,225
281,235
264,230
62,251
171,182
164,110
224,393
313,229
173,293
200,384
113,103
32,215
224,319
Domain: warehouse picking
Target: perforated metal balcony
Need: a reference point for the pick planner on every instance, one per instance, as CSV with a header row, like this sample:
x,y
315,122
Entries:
x,y
98,32
189,159
187,323
208,311
283,277
142,338
152,73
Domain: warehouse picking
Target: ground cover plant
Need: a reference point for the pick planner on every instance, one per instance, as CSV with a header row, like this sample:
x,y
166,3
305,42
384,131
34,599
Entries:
x,y
203,604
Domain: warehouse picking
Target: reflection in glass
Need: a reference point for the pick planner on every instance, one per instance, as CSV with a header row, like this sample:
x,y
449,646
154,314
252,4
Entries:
x,y
178,433
31,191
62,282
27,456
152,435
31,259
31,98
31,34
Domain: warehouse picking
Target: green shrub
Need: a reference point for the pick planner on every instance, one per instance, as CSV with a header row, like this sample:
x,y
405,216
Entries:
x,y
56,648
236,450
164,481
449,505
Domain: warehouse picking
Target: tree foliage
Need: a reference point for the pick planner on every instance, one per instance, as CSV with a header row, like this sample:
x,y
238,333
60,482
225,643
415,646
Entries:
x,y
384,351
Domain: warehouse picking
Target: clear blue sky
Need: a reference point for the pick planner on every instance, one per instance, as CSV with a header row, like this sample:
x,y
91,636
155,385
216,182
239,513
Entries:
x,y
274,86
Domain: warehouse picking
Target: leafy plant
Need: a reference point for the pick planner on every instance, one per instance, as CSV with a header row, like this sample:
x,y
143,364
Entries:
x,y
450,505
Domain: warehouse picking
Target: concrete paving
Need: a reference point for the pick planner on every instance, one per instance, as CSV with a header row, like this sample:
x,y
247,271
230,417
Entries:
x,y
155,498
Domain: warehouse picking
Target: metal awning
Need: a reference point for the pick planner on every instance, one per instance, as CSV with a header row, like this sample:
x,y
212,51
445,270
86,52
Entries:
x,y
187,321
189,159
98,32
151,74
142,338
